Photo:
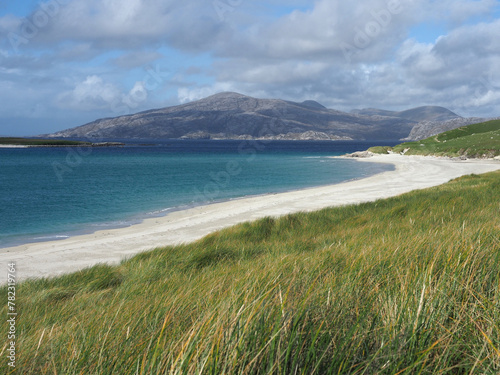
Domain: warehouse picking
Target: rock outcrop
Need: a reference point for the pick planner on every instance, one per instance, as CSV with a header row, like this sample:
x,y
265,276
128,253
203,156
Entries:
x,y
426,129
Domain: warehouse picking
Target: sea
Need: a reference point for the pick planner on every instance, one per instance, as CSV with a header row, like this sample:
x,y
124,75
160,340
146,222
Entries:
x,y
57,192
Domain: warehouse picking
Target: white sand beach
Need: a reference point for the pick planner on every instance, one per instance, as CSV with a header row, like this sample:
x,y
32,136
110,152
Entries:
x,y
47,259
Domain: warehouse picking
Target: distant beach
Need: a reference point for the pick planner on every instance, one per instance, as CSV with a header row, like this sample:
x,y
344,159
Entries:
x,y
52,258
56,192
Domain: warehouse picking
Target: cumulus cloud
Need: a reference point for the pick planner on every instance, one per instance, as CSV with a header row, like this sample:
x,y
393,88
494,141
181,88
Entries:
x,y
136,59
89,54
456,13
91,94
77,52
95,94
459,58
186,94
360,54
276,73
119,24
369,28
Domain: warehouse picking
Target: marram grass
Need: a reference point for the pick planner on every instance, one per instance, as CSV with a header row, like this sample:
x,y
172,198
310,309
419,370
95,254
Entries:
x,y
407,285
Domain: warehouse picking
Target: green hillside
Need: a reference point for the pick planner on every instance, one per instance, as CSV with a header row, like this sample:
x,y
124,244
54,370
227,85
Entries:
x,y
477,140
407,285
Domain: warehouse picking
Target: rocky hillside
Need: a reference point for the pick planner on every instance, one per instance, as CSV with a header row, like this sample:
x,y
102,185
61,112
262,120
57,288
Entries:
x,y
426,129
235,116
428,113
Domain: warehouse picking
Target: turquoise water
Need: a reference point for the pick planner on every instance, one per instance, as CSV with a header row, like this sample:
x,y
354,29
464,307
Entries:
x,y
49,193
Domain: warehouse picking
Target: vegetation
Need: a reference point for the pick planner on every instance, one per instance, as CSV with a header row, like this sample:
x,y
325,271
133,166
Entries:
x,y
407,285
477,141
40,142
380,149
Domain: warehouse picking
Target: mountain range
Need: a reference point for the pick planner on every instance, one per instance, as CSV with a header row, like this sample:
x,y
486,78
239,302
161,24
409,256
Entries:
x,y
231,115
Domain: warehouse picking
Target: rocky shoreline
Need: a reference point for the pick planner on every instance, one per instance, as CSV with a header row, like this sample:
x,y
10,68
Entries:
x,y
305,136
369,154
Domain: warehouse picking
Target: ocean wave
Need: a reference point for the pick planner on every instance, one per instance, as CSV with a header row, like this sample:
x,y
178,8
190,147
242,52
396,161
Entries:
x,y
49,238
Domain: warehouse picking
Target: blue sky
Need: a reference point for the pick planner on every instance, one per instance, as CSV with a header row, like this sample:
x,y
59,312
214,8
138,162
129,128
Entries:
x,y
64,63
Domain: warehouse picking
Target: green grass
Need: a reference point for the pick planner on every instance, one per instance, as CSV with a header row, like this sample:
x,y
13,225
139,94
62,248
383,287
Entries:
x,y
40,142
380,149
476,141
407,285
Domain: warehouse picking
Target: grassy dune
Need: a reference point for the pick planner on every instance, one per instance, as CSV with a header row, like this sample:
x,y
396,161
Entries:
x,y
407,285
477,140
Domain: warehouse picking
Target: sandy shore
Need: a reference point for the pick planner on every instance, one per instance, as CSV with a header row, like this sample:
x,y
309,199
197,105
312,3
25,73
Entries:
x,y
57,257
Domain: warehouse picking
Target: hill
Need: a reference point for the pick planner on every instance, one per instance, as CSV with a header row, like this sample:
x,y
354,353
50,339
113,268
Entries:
x,y
427,113
426,129
404,285
480,140
235,116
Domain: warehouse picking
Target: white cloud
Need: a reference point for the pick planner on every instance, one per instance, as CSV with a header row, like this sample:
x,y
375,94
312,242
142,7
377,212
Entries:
x,y
370,28
479,40
124,24
343,54
94,94
457,59
91,94
185,94
8,23
277,73
136,59
77,52
460,11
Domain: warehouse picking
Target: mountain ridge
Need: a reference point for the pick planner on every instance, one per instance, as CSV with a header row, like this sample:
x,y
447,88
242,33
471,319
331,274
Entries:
x,y
423,113
230,115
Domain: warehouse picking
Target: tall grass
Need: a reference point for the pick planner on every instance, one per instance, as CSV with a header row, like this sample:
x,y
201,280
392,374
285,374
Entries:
x,y
407,285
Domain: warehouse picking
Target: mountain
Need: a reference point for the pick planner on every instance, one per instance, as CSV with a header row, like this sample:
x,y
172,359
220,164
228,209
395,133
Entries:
x,y
313,104
426,129
479,140
373,112
428,113
234,116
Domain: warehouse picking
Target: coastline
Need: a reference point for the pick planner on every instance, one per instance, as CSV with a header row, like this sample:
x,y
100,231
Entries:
x,y
13,146
99,144
197,195
51,258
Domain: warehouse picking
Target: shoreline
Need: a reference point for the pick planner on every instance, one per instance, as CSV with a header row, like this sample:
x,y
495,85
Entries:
x,y
13,146
99,144
136,218
52,258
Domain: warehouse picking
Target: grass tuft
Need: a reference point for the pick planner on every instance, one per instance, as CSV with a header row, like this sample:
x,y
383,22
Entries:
x,y
210,257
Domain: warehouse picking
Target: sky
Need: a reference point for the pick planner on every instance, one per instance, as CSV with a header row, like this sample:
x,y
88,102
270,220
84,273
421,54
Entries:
x,y
64,63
